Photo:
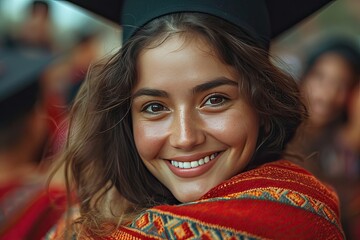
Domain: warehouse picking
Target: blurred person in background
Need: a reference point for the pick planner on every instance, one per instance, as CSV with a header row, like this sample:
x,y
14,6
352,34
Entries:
x,y
36,30
28,206
86,50
64,79
331,73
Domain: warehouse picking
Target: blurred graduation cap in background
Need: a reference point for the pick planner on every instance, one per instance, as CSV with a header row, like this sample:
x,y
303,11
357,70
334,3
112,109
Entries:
x,y
266,18
20,88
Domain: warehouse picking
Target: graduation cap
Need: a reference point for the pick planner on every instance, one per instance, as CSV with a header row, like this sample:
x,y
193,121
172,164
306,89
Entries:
x,y
20,71
266,19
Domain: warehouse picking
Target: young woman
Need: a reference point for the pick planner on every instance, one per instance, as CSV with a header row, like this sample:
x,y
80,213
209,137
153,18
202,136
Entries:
x,y
180,136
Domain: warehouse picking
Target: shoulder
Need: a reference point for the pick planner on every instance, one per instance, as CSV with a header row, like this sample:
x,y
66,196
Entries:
x,y
60,230
284,182
284,199
280,174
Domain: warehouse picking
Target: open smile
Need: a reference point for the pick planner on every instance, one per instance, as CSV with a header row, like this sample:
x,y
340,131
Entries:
x,y
189,169
194,164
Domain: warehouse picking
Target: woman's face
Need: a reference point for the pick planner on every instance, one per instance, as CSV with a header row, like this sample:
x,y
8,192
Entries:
x,y
192,127
327,88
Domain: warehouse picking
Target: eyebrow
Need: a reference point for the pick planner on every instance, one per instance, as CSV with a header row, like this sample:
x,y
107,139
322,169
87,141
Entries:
x,y
197,89
150,92
213,84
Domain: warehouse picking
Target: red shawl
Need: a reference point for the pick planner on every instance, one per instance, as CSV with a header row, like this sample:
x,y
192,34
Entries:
x,y
278,200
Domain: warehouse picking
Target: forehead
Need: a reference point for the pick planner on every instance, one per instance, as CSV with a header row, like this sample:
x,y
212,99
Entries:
x,y
180,40
181,58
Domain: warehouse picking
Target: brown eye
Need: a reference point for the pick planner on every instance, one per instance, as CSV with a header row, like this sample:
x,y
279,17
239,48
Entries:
x,y
154,108
215,101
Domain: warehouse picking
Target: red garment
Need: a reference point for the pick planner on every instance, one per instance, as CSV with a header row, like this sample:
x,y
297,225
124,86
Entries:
x,y
28,211
278,200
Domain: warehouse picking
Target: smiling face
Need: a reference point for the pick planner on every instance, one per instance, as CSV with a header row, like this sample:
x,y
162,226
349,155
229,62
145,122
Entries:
x,y
192,127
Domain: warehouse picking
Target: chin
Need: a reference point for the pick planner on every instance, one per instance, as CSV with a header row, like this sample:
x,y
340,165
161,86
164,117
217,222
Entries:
x,y
189,196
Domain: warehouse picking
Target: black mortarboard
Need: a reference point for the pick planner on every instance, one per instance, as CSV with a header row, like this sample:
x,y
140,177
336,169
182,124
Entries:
x,y
20,71
265,18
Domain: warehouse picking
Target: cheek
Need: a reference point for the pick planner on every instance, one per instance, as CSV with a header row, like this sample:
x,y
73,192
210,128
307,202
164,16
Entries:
x,y
233,128
149,138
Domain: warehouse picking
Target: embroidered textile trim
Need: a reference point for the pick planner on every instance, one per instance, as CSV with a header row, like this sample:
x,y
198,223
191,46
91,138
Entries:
x,y
165,225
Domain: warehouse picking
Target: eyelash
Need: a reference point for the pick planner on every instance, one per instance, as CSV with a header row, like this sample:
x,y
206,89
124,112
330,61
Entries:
x,y
224,100
147,106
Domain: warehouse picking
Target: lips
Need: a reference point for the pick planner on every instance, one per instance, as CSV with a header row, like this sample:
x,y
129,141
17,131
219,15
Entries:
x,y
188,169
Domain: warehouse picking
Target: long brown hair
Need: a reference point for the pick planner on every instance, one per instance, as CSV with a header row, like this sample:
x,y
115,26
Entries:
x,y
101,152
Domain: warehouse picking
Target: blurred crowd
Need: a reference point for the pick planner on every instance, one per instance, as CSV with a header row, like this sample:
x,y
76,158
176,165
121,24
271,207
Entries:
x,y
39,78
327,144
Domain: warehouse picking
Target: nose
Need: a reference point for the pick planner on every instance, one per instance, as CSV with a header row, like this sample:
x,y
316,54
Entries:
x,y
186,130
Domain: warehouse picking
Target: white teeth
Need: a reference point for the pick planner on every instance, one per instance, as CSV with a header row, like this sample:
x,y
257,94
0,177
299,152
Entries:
x,y
187,165
194,164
